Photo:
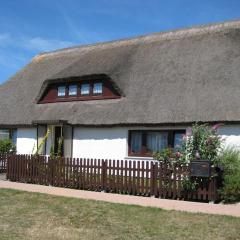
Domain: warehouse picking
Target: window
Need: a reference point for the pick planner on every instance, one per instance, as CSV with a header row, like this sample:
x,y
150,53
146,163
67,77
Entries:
x,y
61,91
4,134
156,141
146,142
85,89
178,139
136,141
97,88
14,136
72,90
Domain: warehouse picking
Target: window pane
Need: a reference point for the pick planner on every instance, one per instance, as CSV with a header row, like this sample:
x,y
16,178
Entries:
x,y
97,88
14,136
72,90
4,134
136,141
85,89
61,91
157,141
178,139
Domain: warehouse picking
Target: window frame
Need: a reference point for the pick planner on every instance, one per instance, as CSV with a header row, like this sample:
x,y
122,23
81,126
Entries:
x,y
73,95
144,152
93,93
5,131
89,92
65,92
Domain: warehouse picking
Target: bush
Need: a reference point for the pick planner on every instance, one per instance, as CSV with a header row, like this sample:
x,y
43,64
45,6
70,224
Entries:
x,y
230,160
6,147
170,156
203,143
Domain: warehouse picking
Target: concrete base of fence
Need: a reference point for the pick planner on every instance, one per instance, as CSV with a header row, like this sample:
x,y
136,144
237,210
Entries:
x,y
232,210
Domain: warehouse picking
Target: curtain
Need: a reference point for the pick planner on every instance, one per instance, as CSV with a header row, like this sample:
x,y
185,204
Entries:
x,y
157,141
178,139
136,141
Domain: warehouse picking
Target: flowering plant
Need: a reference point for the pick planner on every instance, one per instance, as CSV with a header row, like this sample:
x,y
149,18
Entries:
x,y
203,142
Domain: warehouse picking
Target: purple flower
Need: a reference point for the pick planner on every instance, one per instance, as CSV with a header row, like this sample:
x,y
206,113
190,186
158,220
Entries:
x,y
178,154
216,126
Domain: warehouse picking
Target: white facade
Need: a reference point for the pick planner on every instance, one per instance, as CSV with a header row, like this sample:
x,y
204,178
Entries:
x,y
26,140
231,135
102,143
106,143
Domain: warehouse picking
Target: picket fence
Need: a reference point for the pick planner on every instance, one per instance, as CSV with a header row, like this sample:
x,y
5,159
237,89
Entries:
x,y
143,178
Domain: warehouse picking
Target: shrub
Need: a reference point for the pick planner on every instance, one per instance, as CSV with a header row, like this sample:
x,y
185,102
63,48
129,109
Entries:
x,y
203,143
230,160
6,147
169,156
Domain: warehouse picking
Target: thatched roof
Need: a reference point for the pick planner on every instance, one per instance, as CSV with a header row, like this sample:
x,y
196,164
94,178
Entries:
x,y
173,77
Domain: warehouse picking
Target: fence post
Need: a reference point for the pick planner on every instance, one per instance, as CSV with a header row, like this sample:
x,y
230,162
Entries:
x,y
153,179
7,169
104,176
50,169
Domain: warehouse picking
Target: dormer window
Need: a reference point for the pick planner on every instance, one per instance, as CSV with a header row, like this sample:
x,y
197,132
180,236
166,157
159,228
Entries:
x,y
61,91
80,89
85,89
72,90
97,88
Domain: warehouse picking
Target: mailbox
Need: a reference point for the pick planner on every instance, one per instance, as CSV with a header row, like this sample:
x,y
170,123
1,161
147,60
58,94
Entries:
x,y
200,168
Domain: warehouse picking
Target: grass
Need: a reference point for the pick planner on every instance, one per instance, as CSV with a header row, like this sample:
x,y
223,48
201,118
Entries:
x,y
37,216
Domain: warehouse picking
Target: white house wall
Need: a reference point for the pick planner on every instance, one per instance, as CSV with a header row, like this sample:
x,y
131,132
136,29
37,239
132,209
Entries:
x,y
103,143
231,135
26,140
106,143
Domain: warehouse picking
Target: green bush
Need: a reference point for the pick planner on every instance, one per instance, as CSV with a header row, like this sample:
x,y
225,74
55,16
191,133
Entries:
x,y
6,147
230,160
203,143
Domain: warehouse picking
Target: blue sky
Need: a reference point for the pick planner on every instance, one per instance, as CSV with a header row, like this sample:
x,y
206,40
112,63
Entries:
x,y
28,27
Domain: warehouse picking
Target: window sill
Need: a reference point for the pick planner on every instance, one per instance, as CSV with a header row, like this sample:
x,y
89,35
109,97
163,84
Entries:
x,y
139,158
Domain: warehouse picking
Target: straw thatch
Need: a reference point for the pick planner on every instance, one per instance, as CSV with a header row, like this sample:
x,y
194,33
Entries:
x,y
166,78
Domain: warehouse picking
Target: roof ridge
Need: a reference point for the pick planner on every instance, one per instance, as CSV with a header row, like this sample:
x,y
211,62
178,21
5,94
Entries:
x,y
164,35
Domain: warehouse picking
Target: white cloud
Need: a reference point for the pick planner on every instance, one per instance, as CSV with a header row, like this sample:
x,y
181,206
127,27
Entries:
x,y
43,44
35,44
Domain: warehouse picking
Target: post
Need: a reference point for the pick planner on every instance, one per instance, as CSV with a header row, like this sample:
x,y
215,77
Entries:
x,y
104,176
153,179
50,169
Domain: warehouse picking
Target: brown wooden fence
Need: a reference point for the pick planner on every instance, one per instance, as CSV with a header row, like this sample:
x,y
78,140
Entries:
x,y
142,178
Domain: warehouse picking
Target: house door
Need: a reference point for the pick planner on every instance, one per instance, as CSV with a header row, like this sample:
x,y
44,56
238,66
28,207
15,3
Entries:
x,y
58,140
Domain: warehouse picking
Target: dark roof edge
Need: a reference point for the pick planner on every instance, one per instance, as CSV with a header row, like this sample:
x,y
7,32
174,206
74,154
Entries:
x,y
117,125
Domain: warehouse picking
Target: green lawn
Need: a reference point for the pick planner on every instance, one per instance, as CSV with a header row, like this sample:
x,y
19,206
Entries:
x,y
37,216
